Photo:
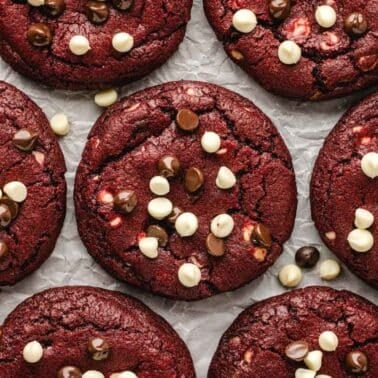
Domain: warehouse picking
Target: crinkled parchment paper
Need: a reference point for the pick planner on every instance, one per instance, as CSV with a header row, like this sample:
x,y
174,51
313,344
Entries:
x,y
303,126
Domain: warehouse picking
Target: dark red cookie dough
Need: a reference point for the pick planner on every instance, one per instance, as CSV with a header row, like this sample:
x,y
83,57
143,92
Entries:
x,y
333,63
31,236
123,152
339,186
63,320
158,27
254,345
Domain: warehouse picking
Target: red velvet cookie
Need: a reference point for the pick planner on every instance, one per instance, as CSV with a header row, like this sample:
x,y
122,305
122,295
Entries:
x,y
344,190
32,186
81,329
186,190
316,328
300,48
79,44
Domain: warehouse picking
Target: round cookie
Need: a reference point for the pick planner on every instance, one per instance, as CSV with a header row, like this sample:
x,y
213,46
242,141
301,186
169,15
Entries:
x,y
344,194
88,329
32,184
301,49
260,342
77,44
186,190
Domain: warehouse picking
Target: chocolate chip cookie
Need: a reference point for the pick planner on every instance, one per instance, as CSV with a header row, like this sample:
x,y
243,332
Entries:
x,y
186,190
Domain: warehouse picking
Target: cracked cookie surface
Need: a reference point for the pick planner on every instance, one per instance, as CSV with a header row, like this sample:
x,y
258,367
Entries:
x,y
339,186
333,62
122,153
157,28
255,343
64,319
31,236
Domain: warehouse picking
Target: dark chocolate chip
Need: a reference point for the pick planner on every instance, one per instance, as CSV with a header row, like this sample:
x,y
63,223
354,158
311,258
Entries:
x,y
98,348
297,350
69,372
97,12
3,250
279,9
168,166
5,215
122,5
193,179
125,201
159,233
214,245
12,206
39,35
25,140
355,24
174,215
187,120
356,362
54,8
307,257
261,235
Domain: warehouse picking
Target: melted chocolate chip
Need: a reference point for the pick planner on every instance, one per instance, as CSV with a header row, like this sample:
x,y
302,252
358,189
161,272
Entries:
x,y
261,235
214,245
12,206
97,12
125,201
307,257
25,140
355,24
39,35
98,348
279,9
187,120
159,233
54,8
193,179
3,250
122,5
174,215
5,215
297,350
356,362
69,372
168,166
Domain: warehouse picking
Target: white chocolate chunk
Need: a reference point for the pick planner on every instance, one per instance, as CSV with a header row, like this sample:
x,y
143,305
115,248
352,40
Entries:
x,y
313,360
159,185
323,376
93,374
124,374
149,247
36,3
16,191
189,275
225,178
186,224
360,240
106,97
32,352
210,142
59,124
159,208
289,52
222,225
304,373
79,45
363,218
290,275
369,164
244,20
325,16
123,42
328,341
329,270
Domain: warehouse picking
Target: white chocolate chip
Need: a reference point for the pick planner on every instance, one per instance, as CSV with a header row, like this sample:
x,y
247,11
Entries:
x,y
210,142
59,124
222,225
159,208
289,52
124,374
323,376
330,235
328,341
313,360
329,270
16,191
79,45
325,16
149,247
189,275
123,42
290,275
360,240
304,373
104,196
363,218
186,224
106,97
33,352
244,20
159,185
369,164
93,374
225,178
36,3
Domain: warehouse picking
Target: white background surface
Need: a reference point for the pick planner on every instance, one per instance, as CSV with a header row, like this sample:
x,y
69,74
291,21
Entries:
x,y
302,125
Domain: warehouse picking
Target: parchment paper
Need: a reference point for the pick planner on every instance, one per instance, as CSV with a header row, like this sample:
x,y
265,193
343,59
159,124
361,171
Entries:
x,y
302,125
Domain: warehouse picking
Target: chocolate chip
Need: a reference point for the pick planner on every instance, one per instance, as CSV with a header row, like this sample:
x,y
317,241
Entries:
x,y
54,8
125,201
355,24
261,235
3,249
122,5
193,179
174,214
39,35
69,372
25,140
5,215
307,257
98,348
159,233
168,166
187,120
214,245
97,12
279,9
297,350
356,362
12,206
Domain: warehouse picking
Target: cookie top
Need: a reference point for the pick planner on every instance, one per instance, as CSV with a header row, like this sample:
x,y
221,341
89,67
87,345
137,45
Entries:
x,y
83,329
344,190
77,44
185,189
32,184
272,337
301,49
